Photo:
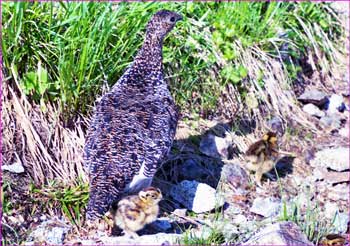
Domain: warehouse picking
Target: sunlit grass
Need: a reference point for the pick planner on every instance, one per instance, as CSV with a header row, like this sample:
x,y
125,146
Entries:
x,y
69,53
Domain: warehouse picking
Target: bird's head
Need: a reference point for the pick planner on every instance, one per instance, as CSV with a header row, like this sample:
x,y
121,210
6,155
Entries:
x,y
162,22
150,195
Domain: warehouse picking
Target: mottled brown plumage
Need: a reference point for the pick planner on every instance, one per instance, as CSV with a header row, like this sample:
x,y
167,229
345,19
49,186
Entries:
x,y
135,211
262,155
133,125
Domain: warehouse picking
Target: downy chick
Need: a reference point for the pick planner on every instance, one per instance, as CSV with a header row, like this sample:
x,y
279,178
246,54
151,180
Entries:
x,y
262,155
135,211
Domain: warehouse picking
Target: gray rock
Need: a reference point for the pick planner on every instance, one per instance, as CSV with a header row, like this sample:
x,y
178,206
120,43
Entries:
x,y
334,158
313,96
234,175
267,207
338,192
344,132
180,212
330,210
282,233
313,110
331,121
216,147
155,239
276,125
340,224
229,231
161,224
50,232
239,219
190,170
13,168
335,104
195,196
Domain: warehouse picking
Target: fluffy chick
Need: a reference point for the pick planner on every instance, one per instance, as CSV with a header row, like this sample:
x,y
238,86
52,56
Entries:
x,y
262,155
135,211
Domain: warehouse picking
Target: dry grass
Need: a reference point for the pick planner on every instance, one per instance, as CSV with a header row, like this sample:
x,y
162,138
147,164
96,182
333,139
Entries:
x,y
35,137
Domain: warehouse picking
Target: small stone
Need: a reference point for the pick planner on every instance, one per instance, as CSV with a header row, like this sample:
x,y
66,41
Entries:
x,y
276,125
13,168
198,197
180,212
339,192
162,224
282,233
229,231
191,170
340,224
154,239
334,158
335,104
313,110
267,207
313,96
239,219
344,132
331,121
234,175
216,147
50,232
330,210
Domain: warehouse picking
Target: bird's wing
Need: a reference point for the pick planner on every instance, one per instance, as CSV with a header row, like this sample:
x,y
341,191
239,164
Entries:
x,y
126,135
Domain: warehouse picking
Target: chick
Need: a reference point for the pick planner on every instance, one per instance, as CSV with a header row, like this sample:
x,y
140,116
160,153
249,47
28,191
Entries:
x,y
262,155
135,211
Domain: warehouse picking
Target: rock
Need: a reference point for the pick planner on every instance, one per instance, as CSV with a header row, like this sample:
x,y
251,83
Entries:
x,y
335,104
331,177
216,147
161,224
239,219
339,192
344,132
282,233
198,197
276,125
267,207
155,239
331,121
313,110
50,232
13,168
229,231
340,224
334,158
180,212
234,175
191,170
313,96
330,210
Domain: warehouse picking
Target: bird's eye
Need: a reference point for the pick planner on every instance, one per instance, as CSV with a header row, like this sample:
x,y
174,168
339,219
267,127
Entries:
x,y
172,19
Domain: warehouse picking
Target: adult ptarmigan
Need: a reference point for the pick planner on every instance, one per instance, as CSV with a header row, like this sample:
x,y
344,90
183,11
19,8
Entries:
x,y
133,125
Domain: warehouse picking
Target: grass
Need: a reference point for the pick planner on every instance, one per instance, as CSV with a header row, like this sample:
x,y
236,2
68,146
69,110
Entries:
x,y
70,201
69,53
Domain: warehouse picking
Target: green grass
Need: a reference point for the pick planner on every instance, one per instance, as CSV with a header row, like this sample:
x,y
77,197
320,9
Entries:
x,y
70,200
69,53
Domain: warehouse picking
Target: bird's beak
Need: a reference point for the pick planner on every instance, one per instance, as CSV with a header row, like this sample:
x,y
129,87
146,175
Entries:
x,y
179,17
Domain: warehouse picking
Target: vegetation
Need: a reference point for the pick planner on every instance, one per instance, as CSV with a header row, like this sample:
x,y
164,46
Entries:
x,y
229,59
68,53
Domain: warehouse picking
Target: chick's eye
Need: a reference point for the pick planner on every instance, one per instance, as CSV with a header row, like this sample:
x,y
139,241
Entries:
x,y
172,19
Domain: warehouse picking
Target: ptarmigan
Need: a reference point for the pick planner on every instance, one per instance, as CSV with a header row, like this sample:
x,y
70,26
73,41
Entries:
x,y
133,126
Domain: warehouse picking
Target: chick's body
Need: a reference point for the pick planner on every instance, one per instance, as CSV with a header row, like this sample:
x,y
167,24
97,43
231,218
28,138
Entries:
x,y
135,211
262,155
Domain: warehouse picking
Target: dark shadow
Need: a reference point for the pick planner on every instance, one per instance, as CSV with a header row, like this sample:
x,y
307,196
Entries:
x,y
284,166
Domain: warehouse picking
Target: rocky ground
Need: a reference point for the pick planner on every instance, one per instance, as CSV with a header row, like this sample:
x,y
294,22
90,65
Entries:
x,y
209,197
